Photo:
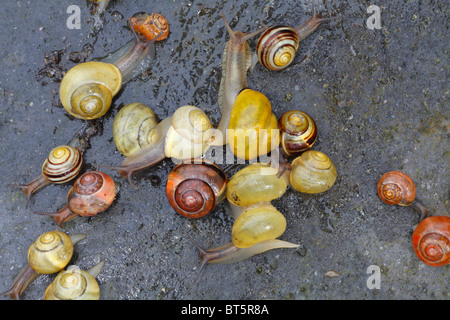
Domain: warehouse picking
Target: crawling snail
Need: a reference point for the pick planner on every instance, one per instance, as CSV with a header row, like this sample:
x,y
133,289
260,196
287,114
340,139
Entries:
x,y
195,188
184,135
253,127
93,192
133,128
138,54
431,241
75,284
229,253
255,223
256,182
312,172
299,132
236,60
63,164
50,253
397,188
277,46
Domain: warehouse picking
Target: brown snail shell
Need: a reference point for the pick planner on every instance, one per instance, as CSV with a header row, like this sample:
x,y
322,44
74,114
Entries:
x,y
299,132
431,241
194,189
395,187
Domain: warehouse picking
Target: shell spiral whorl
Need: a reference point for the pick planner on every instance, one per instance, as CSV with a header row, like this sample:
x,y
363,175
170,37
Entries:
x,y
63,164
395,187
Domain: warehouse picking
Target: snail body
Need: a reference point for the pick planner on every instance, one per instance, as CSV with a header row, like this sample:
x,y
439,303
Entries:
x,y
184,135
236,60
255,223
312,172
138,54
299,132
253,127
194,189
87,89
256,182
75,284
397,188
277,46
431,241
133,127
93,192
48,254
63,164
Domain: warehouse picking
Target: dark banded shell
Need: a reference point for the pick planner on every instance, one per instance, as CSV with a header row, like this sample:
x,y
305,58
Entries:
x,y
276,47
299,132
92,193
63,164
194,189
395,187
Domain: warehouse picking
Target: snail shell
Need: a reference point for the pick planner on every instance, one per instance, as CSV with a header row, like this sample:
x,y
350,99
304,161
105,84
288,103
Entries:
x,y
253,128
395,187
87,90
133,127
150,26
313,172
50,252
299,132
255,183
257,222
431,241
62,164
276,47
75,284
194,189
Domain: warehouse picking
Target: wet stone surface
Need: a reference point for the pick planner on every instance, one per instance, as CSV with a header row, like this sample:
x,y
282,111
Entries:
x,y
379,99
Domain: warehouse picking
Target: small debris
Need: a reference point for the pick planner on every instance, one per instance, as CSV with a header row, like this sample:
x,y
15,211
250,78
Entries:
x,y
331,274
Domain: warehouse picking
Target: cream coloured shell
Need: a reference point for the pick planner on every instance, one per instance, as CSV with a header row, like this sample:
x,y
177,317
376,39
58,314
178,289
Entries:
x,y
133,127
313,172
87,90
189,134
62,164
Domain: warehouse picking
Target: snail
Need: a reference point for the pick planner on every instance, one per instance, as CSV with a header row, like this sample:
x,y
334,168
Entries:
x,y
184,135
397,188
87,89
63,164
93,192
48,254
255,183
99,6
255,223
277,46
194,189
133,127
138,54
253,127
312,172
229,253
75,284
236,60
431,241
299,132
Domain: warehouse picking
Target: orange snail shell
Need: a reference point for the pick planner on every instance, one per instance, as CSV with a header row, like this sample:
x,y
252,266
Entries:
x,y
395,187
150,25
431,241
194,189
92,193
299,132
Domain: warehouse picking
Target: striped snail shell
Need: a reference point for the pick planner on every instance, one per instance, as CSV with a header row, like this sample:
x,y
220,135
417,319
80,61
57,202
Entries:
x,y
194,189
277,46
299,132
62,164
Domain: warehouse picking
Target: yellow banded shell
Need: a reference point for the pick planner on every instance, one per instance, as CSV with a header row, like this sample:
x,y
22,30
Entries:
x,y
259,222
87,90
313,172
51,252
62,164
299,132
255,183
133,127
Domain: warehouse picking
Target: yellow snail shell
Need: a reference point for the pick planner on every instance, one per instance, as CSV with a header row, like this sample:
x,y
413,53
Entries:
x,y
313,172
87,90
133,127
